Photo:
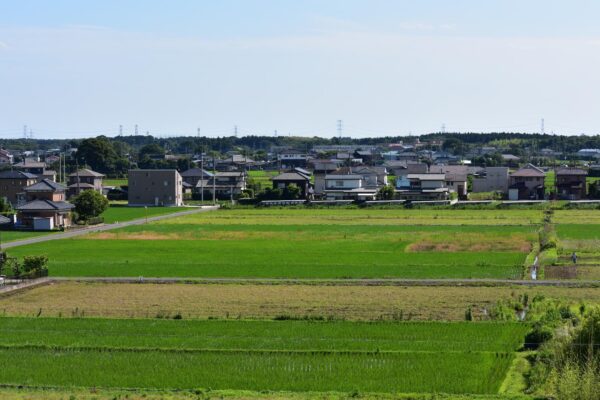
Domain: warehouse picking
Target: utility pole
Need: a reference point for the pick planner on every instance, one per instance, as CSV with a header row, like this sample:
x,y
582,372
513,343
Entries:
x,y
201,172
120,130
214,181
339,128
136,129
235,131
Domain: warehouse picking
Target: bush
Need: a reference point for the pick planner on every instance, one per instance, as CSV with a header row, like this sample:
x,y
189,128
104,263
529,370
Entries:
x,y
89,204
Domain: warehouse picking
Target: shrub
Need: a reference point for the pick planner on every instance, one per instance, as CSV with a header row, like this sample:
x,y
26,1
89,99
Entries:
x,y
89,204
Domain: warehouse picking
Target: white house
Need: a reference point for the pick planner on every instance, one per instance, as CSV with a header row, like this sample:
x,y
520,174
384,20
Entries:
x,y
347,187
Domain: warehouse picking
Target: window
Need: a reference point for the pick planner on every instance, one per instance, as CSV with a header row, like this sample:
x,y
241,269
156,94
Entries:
x,y
339,183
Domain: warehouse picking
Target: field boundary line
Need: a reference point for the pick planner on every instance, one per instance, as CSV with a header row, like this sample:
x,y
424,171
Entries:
x,y
333,282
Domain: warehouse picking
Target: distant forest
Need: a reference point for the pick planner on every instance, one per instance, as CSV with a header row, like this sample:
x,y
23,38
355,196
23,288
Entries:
x,y
190,144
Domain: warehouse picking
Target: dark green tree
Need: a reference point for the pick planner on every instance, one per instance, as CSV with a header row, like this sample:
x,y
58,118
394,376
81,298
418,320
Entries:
x,y
89,204
386,193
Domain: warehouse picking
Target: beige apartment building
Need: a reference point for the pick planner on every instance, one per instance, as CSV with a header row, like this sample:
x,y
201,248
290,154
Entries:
x,y
155,187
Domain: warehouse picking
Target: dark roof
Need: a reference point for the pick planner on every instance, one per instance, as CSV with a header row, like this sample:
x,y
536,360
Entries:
x,y
45,185
46,205
528,172
16,175
31,164
571,171
192,172
87,172
290,176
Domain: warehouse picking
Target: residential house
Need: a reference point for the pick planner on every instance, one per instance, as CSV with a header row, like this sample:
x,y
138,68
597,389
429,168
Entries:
x,y
6,158
571,183
527,183
297,178
33,166
12,184
510,160
321,168
403,168
225,185
422,187
46,208
456,178
589,153
84,179
374,177
194,175
492,179
155,187
292,158
347,187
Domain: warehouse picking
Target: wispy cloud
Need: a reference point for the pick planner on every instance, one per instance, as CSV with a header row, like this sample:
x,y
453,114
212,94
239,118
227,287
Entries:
x,y
3,45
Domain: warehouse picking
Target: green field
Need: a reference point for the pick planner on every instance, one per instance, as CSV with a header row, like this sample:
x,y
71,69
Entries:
x,y
258,355
125,213
114,182
305,244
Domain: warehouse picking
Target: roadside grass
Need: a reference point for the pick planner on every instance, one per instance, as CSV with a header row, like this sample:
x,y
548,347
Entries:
x,y
124,213
259,355
257,301
11,236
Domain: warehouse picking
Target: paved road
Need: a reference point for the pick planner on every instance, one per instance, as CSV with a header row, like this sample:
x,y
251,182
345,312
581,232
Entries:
x,y
106,227
339,282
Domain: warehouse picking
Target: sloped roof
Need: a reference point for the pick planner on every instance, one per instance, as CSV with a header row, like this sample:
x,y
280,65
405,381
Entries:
x,y
193,172
45,185
31,164
290,176
529,171
16,175
571,171
87,172
46,205
427,177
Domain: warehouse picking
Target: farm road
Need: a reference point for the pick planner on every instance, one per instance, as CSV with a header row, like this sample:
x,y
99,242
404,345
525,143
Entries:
x,y
106,227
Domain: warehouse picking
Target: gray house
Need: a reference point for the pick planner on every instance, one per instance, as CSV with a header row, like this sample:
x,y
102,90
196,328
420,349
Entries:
x,y
155,187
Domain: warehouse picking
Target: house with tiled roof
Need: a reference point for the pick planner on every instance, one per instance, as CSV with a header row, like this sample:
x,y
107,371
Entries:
x,y
84,179
12,184
527,183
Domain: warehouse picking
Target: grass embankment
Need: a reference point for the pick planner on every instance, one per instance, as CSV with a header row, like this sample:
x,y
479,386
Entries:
x,y
259,355
260,243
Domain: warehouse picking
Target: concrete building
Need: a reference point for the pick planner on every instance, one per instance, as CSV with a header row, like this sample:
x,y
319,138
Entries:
x,y
494,179
155,187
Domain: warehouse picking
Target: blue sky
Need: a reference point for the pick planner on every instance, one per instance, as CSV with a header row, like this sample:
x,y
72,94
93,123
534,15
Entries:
x,y
80,68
